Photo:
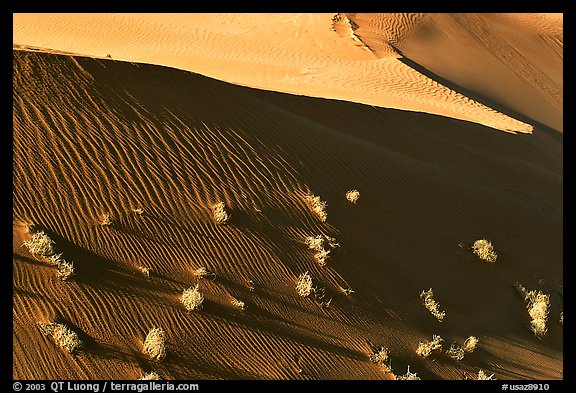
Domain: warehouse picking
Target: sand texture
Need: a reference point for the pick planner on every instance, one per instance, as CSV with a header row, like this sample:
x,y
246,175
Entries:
x,y
262,122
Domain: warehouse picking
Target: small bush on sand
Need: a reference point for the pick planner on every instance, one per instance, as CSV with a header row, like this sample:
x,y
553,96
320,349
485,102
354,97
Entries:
x,y
151,376
144,270
238,303
65,270
353,196
455,352
55,259
62,335
431,304
470,344
304,284
193,299
203,273
484,250
408,376
482,376
155,344
381,357
220,214
105,219
538,305
317,243
318,206
425,349
40,244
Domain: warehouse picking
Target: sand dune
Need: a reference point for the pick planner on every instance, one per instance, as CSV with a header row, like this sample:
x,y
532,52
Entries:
x,y
513,60
94,136
350,57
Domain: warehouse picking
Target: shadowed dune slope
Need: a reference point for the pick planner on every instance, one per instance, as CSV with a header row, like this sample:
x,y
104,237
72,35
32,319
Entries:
x,y
94,136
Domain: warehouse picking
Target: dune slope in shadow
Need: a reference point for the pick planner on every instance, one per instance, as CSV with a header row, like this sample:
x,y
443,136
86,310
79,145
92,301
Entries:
x,y
94,136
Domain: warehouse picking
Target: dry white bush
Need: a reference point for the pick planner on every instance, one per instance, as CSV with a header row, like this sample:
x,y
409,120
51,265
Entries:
x,y
484,250
381,356
538,305
64,337
54,260
408,376
538,308
144,270
203,273
318,206
482,376
65,270
155,344
304,284
425,349
193,299
347,291
40,244
353,196
238,303
316,243
220,214
455,352
431,304
105,219
151,376
470,344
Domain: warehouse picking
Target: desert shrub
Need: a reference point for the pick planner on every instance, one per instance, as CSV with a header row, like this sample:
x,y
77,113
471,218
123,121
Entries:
x,y
138,211
238,303
62,335
40,244
151,376
347,291
431,304
455,352
55,259
65,270
193,299
105,219
220,214
425,348
484,250
203,273
155,344
144,270
304,284
408,376
317,243
482,376
318,206
470,344
538,305
381,356
538,308
353,196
